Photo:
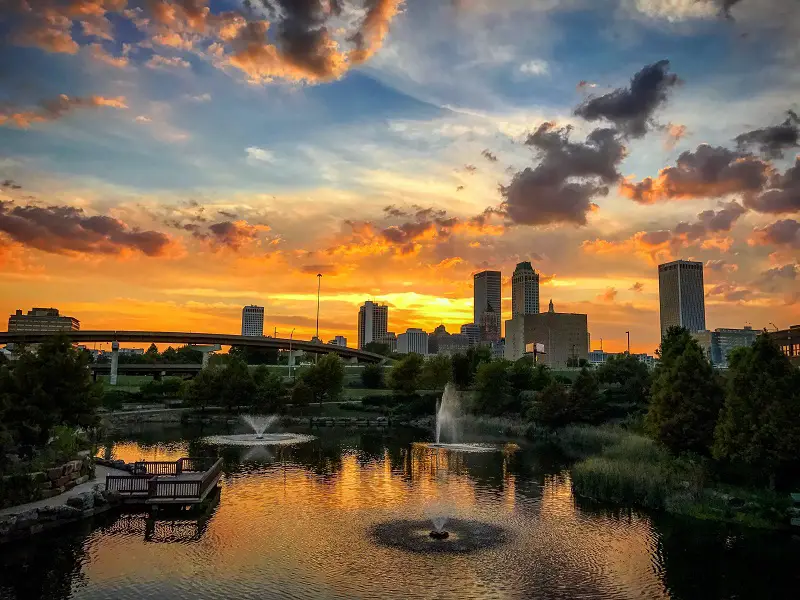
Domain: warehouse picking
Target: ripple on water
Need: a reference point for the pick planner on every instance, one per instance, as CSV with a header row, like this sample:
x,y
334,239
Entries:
x,y
465,536
251,439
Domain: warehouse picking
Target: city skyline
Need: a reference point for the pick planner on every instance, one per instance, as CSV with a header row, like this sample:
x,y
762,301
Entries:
x,y
159,172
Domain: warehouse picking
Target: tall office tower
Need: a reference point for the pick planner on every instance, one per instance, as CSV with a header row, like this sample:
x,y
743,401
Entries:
x,y
680,293
487,293
373,322
413,340
524,290
253,320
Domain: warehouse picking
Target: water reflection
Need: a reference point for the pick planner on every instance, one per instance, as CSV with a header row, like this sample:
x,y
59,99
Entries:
x,y
295,522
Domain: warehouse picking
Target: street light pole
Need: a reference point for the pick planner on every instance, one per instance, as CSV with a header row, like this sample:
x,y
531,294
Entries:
x,y
628,333
291,335
319,284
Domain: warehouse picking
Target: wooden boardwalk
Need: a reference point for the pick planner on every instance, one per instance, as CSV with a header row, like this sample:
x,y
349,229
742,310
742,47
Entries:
x,y
182,482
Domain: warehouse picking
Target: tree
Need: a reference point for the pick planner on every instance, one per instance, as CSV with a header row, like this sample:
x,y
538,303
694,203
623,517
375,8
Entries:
x,y
406,373
759,426
378,348
585,397
436,372
152,355
270,393
206,388
255,356
326,378
630,374
462,371
238,387
372,377
495,395
552,407
686,396
49,388
302,394
521,375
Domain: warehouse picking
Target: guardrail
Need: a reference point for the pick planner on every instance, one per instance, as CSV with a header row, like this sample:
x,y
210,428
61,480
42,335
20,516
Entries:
x,y
161,480
128,484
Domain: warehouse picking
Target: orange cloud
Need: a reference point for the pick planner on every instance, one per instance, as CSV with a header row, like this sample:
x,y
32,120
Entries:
x,y
99,53
374,29
56,108
674,134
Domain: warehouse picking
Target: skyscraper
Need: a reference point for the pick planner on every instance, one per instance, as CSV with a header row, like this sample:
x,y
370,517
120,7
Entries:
x,y
487,292
373,322
413,340
253,320
524,290
680,294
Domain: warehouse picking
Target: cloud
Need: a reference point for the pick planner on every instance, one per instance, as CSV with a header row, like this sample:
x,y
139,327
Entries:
x,y
488,155
471,169
785,232
233,234
631,109
200,98
10,184
674,134
551,192
163,62
143,119
719,265
782,193
637,287
609,295
534,68
259,155
709,171
374,28
710,222
730,292
67,230
771,141
789,271
99,53
324,269
55,108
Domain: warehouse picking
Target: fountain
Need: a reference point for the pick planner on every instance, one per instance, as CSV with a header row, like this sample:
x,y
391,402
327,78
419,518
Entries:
x,y
259,424
448,416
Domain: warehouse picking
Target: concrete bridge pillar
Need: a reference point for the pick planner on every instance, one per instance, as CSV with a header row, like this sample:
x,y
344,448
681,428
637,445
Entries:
x,y
114,362
207,350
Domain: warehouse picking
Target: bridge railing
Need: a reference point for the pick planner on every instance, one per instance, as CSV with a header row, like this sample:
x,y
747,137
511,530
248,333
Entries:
x,y
128,484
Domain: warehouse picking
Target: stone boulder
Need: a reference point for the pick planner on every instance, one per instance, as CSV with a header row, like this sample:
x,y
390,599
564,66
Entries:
x,y
112,496
55,473
7,524
27,519
58,513
82,501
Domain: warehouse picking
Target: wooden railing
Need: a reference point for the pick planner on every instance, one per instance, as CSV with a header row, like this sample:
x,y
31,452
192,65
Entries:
x,y
194,465
161,467
128,484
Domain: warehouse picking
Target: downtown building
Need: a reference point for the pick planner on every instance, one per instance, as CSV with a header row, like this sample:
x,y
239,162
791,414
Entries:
x,y
487,288
681,297
718,344
338,340
253,321
564,336
524,290
39,320
373,323
413,340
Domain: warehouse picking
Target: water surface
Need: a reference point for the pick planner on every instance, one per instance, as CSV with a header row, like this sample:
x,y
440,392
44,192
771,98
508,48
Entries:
x,y
296,522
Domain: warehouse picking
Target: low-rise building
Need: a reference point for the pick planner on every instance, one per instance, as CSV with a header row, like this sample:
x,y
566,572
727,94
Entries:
x,y
473,333
457,343
565,337
339,340
390,339
788,340
40,320
718,344
413,340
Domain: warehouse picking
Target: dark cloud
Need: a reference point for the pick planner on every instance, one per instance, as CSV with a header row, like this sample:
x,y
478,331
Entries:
x,y
470,169
785,232
489,155
710,222
720,265
54,108
233,234
631,109
322,269
729,292
789,271
459,188
709,171
773,140
226,214
393,211
65,229
10,184
725,7
637,287
569,174
782,194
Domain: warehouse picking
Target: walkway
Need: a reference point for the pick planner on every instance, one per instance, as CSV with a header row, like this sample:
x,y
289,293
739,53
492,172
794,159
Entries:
x,y
100,478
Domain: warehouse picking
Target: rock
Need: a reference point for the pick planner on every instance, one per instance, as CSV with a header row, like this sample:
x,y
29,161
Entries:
x,y
54,473
83,454
82,501
68,467
112,496
61,481
99,498
69,485
81,479
118,464
58,513
7,524
46,485
27,518
38,476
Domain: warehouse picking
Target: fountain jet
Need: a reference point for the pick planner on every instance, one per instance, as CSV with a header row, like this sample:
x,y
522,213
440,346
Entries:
x,y
260,423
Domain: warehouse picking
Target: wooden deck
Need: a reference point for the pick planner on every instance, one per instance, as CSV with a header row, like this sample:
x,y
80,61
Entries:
x,y
184,481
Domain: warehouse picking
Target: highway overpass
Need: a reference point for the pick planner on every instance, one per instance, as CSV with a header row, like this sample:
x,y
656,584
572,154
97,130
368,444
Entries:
x,y
181,337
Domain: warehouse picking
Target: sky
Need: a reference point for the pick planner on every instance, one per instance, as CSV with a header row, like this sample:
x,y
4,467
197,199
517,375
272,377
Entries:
x,y
165,162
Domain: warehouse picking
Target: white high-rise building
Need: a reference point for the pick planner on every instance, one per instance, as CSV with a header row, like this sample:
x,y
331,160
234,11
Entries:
x,y
680,294
524,290
413,340
253,320
373,322
487,294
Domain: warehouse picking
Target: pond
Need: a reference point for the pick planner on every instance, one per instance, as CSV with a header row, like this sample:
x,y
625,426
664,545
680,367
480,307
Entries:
x,y
347,515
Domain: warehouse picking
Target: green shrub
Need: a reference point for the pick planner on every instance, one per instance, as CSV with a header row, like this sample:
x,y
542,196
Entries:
x,y
629,482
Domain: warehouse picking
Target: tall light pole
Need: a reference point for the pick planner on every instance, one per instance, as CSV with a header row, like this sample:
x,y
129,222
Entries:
x,y
291,335
319,284
628,333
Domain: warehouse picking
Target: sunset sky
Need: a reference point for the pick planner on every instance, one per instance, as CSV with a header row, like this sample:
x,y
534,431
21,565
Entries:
x,y
164,162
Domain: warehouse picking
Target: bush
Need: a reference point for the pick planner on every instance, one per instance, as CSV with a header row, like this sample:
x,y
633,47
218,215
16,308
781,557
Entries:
x,y
633,483
114,399
405,375
372,377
